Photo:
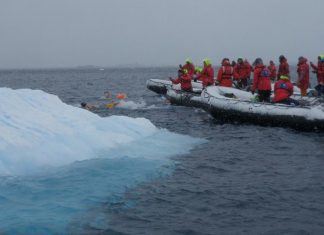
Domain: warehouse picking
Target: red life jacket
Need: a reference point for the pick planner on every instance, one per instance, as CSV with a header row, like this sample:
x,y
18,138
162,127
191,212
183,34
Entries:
x,y
283,89
190,68
283,69
185,81
319,71
248,69
225,74
241,71
303,74
261,80
207,76
273,71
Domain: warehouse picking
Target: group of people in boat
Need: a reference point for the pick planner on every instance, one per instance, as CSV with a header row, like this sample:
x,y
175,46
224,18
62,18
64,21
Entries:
x,y
239,73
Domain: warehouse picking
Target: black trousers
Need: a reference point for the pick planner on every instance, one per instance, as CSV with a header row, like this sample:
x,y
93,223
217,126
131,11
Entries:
x,y
264,96
320,89
289,101
243,83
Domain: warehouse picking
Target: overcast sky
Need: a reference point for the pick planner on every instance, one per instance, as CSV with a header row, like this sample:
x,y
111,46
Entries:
x,y
64,33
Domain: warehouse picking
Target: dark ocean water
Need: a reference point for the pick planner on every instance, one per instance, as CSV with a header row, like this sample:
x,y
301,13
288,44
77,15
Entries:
x,y
245,180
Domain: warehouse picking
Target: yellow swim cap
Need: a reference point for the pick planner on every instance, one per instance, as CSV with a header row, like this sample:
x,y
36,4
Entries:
x,y
284,77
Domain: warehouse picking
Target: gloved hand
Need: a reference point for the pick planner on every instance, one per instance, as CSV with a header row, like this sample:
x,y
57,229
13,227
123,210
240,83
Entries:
x,y
195,80
252,92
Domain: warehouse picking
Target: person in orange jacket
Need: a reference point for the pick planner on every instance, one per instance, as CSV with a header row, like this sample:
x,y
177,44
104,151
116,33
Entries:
x,y
184,78
225,74
197,73
319,70
249,70
241,73
303,75
261,81
283,89
273,70
207,74
189,66
283,67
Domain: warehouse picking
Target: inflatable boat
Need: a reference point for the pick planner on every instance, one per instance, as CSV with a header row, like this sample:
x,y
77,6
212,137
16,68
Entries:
x,y
160,86
230,104
184,98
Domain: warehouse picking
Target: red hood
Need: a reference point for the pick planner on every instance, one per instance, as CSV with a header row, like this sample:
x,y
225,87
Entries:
x,y
226,63
260,66
283,61
303,61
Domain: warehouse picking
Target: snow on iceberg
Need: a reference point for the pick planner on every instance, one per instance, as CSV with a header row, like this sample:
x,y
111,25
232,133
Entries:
x,y
38,130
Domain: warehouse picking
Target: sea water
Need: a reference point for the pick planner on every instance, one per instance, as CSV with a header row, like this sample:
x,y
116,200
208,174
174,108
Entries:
x,y
241,179
57,161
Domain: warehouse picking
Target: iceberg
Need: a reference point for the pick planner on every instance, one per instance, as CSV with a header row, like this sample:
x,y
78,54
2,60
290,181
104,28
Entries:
x,y
39,130
57,161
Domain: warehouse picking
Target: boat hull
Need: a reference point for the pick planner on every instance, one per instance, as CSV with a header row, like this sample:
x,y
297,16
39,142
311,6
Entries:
x,y
265,114
160,86
189,99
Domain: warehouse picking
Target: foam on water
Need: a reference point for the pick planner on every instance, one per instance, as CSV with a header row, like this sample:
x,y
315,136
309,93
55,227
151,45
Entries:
x,y
58,162
132,105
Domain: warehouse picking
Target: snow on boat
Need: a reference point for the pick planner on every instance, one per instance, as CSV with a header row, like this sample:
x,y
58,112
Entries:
x,y
160,86
236,105
191,99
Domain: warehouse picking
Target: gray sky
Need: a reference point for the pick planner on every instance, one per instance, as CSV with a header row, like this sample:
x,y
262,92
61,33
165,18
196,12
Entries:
x,y
63,33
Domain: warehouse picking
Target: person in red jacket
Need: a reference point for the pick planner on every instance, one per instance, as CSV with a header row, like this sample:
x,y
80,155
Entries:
x,y
197,73
184,79
189,66
241,73
283,67
273,71
207,74
283,89
303,75
225,74
319,70
261,81
249,70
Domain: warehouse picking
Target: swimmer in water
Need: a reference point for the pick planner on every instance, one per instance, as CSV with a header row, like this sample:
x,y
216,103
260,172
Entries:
x,y
88,106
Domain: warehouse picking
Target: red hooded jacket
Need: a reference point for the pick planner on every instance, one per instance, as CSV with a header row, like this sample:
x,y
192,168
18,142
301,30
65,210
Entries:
x,y
207,76
303,74
283,69
225,74
185,81
273,71
261,79
248,68
190,68
320,71
283,89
